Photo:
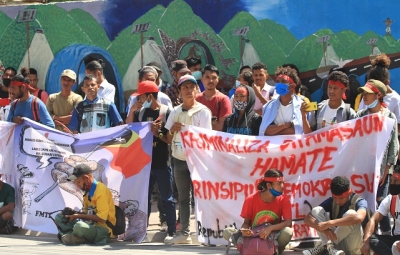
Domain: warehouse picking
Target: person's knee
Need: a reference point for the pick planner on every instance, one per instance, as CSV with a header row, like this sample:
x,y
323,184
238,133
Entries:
x,y
350,212
395,250
316,211
228,232
7,216
79,228
285,236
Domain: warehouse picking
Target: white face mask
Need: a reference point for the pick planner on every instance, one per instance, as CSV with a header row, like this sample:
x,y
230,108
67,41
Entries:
x,y
146,104
237,83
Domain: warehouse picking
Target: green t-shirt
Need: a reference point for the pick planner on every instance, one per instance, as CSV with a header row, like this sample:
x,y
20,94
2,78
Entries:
x,y
7,194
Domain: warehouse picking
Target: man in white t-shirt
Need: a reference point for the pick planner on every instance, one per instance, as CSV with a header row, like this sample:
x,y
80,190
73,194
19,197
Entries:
x,y
333,110
190,112
262,90
106,90
385,244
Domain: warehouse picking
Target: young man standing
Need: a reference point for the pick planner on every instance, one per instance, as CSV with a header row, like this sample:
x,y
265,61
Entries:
x,y
93,113
179,68
98,208
106,90
338,221
7,204
39,93
27,105
190,112
217,102
60,105
8,74
333,110
262,90
161,172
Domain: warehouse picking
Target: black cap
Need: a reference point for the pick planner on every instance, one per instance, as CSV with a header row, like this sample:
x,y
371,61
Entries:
x,y
156,65
79,170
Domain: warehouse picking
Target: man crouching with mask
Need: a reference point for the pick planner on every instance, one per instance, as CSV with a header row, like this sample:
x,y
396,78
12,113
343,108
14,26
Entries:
x,y
385,244
98,208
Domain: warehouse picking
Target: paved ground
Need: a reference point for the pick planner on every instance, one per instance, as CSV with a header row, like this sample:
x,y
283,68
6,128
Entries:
x,y
30,242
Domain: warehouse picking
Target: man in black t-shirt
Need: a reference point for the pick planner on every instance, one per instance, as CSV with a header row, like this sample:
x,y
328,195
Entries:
x,y
157,113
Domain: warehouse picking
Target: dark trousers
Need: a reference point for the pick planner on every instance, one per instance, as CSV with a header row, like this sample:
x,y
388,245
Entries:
x,y
382,244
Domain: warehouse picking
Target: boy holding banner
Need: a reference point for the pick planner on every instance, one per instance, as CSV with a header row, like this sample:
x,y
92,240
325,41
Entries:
x,y
338,220
190,112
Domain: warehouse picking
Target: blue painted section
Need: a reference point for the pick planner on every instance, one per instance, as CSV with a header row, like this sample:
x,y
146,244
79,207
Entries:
x,y
70,58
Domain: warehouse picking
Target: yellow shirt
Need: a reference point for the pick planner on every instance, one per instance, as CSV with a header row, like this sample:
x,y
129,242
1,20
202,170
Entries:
x,y
102,204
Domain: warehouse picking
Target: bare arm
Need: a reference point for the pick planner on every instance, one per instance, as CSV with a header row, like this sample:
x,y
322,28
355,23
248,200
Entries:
x,y
7,208
279,129
369,230
93,217
218,124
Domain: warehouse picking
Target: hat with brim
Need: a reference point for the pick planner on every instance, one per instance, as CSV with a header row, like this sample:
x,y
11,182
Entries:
x,y
156,65
146,87
69,73
79,170
186,78
373,86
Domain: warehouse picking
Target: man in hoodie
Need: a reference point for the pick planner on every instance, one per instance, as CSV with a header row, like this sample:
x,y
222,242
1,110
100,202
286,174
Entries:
x,y
244,120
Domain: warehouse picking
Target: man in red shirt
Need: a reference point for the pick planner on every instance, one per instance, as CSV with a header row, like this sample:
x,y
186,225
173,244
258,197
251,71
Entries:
x,y
218,103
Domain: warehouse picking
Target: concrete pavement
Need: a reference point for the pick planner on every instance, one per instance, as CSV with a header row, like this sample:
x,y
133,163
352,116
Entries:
x,y
31,242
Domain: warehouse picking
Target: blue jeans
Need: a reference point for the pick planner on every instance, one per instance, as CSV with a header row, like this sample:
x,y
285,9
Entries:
x,y
163,177
382,192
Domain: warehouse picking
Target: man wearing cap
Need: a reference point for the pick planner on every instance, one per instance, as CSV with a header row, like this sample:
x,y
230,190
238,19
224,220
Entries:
x,y
60,105
98,209
162,85
218,103
333,110
93,113
373,94
8,74
26,105
385,244
161,172
339,220
7,204
179,68
147,73
190,112
106,89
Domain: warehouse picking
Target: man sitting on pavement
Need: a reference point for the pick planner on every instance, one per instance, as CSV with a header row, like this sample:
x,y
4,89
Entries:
x,y
338,220
7,204
385,244
98,209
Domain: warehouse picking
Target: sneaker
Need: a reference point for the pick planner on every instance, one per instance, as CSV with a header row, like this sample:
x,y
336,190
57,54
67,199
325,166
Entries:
x,y
164,226
179,239
168,239
319,249
332,250
70,239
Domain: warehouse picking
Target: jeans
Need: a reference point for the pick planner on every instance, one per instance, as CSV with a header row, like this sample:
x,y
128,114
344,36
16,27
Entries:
x,y
382,244
349,238
382,192
183,181
163,178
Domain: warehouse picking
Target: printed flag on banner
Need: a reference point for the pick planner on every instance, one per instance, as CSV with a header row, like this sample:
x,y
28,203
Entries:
x,y
120,157
224,169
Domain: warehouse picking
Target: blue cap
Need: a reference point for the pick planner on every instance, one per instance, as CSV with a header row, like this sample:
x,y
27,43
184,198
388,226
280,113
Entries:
x,y
186,78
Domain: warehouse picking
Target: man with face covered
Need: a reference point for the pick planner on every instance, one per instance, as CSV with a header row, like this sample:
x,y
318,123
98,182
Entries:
x,y
98,208
8,74
385,244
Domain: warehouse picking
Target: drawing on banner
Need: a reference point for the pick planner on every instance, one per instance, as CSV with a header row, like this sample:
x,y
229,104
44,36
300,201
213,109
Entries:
x,y
115,195
62,170
26,188
137,220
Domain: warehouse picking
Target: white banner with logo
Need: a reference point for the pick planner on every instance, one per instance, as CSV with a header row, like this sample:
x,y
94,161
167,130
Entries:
x,y
225,167
43,158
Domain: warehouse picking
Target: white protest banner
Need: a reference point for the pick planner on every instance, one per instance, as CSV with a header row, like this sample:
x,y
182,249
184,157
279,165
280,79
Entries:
x,y
225,167
6,146
120,157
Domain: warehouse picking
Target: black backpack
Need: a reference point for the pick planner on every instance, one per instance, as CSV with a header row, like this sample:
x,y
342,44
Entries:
x,y
120,225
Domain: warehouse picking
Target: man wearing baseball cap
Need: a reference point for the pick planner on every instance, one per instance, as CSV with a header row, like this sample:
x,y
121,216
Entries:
x,y
98,209
190,112
26,105
161,172
61,104
373,94
179,68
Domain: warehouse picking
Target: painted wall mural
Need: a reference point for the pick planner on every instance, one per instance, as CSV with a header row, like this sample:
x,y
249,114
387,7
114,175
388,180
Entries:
x,y
314,35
